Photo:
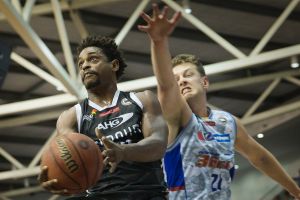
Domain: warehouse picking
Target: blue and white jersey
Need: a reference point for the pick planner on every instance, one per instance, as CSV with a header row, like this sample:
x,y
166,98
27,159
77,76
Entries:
x,y
199,164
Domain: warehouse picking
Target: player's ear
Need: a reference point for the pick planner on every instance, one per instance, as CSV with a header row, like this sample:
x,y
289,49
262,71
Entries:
x,y
205,82
115,65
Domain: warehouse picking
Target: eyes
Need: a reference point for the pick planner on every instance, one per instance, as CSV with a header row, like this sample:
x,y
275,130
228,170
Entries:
x,y
91,59
186,74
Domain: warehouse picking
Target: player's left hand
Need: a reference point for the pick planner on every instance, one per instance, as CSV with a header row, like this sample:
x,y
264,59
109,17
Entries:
x,y
113,153
158,25
50,185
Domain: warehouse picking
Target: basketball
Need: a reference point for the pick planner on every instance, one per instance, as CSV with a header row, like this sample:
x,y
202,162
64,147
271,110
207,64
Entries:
x,y
74,160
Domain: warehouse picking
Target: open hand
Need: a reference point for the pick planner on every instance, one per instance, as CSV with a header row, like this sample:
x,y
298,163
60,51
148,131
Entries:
x,y
158,26
113,153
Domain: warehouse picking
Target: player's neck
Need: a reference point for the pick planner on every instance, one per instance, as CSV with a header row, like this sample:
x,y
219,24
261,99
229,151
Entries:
x,y
103,97
199,107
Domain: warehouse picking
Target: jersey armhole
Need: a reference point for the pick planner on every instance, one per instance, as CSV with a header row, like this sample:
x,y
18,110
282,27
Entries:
x,y
136,100
184,130
78,116
235,126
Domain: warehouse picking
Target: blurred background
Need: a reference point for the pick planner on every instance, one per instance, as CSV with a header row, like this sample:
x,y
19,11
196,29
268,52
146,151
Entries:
x,y
250,50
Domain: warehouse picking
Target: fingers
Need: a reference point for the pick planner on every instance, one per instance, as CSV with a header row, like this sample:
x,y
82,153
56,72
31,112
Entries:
x,y
61,192
52,185
165,10
105,161
175,17
108,144
43,176
113,167
110,155
146,17
155,10
143,28
98,133
49,185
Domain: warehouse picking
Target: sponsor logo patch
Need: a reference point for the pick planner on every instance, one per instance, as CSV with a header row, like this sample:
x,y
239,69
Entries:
x,y
222,137
110,111
208,136
125,102
115,122
223,120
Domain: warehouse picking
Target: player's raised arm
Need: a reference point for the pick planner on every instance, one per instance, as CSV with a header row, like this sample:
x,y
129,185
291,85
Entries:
x,y
174,107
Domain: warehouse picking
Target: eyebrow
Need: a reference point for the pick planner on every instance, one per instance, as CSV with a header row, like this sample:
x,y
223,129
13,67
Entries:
x,y
89,53
184,71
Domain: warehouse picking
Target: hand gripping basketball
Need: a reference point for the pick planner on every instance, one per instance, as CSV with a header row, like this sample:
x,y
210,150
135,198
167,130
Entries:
x,y
50,185
71,164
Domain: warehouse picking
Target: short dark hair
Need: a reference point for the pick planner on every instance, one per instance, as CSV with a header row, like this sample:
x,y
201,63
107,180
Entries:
x,y
108,47
189,58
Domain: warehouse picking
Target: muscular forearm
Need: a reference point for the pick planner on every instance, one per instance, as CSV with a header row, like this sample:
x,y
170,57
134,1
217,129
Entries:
x,y
161,60
269,165
146,150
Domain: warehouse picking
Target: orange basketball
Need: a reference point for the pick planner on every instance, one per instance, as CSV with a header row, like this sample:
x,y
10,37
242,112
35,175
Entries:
x,y
74,160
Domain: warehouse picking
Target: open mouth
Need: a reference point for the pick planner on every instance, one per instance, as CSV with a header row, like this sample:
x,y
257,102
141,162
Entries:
x,y
185,90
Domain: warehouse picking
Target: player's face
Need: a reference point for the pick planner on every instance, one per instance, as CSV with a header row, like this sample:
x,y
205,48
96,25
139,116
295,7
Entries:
x,y
189,80
95,69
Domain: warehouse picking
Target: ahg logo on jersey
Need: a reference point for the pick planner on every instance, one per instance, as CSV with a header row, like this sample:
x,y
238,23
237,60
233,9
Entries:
x,y
115,122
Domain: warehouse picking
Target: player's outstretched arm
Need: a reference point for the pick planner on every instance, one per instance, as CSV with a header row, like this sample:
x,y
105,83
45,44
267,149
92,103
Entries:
x,y
174,107
263,160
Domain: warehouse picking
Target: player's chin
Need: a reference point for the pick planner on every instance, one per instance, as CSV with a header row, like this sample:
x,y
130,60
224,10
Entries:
x,y
90,84
187,95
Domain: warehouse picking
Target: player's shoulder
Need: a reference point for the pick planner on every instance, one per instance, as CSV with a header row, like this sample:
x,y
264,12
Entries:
x,y
149,100
69,113
146,96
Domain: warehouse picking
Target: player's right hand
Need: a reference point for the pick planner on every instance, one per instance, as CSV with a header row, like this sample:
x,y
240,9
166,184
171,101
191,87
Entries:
x,y
113,153
50,185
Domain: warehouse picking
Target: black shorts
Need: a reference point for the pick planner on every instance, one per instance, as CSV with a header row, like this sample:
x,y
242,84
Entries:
x,y
120,196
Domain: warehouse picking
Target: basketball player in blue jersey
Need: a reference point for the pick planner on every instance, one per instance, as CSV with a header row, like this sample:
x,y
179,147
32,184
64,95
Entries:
x,y
130,125
199,160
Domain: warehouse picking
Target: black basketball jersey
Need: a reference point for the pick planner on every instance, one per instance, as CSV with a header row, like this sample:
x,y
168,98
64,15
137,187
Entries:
x,y
122,123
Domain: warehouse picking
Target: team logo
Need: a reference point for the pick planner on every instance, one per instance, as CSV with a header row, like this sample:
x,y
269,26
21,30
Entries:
x,y
90,116
115,122
125,102
222,120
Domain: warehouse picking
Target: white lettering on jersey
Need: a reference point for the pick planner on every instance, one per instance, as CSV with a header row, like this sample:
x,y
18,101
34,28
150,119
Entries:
x,y
126,132
115,122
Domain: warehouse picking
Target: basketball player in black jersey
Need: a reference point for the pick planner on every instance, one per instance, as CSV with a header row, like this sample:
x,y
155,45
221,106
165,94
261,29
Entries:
x,y
131,131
